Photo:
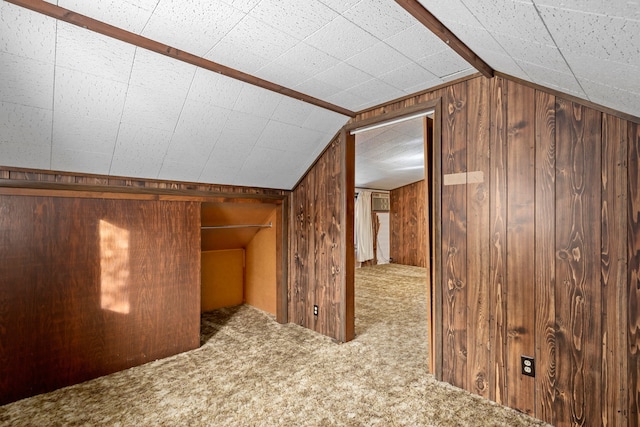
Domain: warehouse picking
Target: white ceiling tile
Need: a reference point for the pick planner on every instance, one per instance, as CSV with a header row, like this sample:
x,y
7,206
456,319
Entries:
x,y
251,45
147,107
81,133
296,18
214,89
379,59
306,59
222,175
381,18
230,157
241,129
350,100
622,76
281,74
551,78
63,159
161,74
409,76
257,101
27,33
416,41
340,6
450,10
526,50
611,97
325,121
629,9
514,18
194,27
603,37
202,119
25,136
290,138
341,39
375,92
26,81
292,111
263,161
243,5
444,64
139,151
85,95
92,53
131,15
190,148
504,63
476,37
177,171
343,76
21,124
317,88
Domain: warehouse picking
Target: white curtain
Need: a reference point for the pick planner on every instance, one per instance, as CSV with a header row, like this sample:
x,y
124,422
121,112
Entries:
x,y
364,227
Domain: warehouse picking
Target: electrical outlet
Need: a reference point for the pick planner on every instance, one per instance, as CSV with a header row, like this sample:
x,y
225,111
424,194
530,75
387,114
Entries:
x,y
315,310
528,366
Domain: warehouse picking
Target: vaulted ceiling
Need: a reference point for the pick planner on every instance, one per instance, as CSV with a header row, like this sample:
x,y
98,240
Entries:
x,y
75,100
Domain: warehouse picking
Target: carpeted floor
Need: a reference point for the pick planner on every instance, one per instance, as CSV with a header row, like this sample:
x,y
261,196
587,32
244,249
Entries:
x,y
252,371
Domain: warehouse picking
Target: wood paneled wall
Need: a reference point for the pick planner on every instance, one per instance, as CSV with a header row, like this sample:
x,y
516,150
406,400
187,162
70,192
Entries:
x,y
93,286
318,260
541,258
408,225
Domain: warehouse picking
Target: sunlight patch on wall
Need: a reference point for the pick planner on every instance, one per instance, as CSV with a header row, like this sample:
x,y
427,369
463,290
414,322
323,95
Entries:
x,y
114,268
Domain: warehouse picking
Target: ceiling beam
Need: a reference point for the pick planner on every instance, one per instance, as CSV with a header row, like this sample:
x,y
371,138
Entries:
x,y
438,28
100,27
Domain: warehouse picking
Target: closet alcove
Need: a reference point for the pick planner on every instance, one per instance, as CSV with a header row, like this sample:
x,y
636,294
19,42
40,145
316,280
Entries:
x,y
239,256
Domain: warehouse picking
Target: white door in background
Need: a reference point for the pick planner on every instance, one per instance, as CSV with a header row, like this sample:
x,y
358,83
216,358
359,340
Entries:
x,y
384,245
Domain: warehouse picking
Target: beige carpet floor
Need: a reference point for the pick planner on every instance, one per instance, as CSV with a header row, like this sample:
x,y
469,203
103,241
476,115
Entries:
x,y
252,371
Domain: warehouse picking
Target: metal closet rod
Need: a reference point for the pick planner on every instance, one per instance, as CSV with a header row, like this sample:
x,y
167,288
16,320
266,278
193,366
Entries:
x,y
213,227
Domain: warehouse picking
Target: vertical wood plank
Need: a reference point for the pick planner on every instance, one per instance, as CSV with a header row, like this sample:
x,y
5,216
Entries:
x,y
498,217
347,215
422,232
545,283
578,294
478,238
395,225
613,270
454,238
520,244
633,275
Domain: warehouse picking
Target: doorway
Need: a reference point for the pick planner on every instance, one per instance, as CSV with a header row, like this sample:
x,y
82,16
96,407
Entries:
x,y
431,148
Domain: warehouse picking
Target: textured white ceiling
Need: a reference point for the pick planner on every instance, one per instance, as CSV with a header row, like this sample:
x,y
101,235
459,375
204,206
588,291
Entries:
x,y
590,49
390,156
77,101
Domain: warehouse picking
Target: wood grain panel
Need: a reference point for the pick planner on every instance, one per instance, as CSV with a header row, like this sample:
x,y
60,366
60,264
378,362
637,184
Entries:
x,y
613,271
578,299
520,260
395,226
408,224
545,283
89,287
498,220
633,275
454,210
478,239
317,236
